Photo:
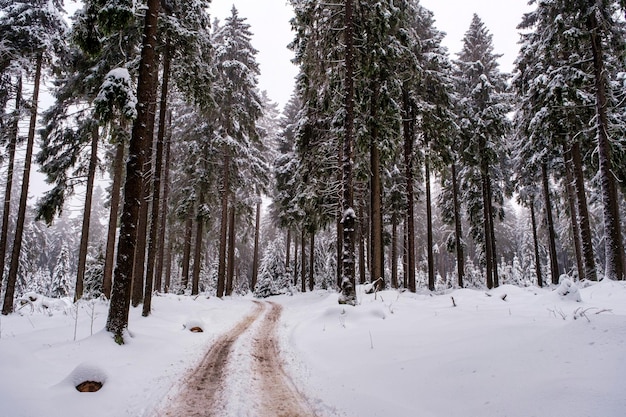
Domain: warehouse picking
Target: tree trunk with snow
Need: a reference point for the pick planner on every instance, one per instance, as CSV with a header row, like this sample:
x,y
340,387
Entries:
x,y
156,185
186,262
84,236
230,270
429,227
613,247
4,236
458,233
117,320
535,242
116,188
554,263
583,215
573,213
255,258
7,307
348,221
408,132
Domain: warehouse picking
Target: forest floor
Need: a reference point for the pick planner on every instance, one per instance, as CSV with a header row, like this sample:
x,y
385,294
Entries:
x,y
217,388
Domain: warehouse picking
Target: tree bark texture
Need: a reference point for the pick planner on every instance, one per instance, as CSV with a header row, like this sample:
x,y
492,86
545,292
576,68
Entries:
x,y
7,307
164,203
116,188
536,243
377,247
348,219
583,215
4,236
458,231
487,246
221,267
117,320
187,251
84,236
574,218
230,269
312,262
614,251
409,134
554,263
429,228
255,257
197,255
156,185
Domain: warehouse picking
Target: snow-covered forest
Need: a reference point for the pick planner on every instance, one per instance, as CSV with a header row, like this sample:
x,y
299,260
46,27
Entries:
x,y
395,162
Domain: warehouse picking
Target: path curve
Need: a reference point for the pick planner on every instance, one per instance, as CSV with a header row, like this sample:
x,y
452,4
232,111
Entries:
x,y
272,395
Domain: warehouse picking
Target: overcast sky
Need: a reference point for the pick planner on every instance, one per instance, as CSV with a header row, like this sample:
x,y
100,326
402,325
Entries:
x,y
269,21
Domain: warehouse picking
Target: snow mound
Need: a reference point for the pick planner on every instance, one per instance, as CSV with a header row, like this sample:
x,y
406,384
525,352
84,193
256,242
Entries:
x,y
40,303
568,290
196,324
85,372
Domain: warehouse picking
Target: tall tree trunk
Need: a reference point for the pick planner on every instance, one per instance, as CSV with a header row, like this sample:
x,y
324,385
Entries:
x,y
405,255
614,251
409,132
362,251
377,248
458,233
574,218
348,220
186,261
554,263
168,264
295,262
288,250
144,219
429,228
492,228
312,262
394,250
221,267
116,188
117,320
156,184
583,215
164,202
255,258
7,307
230,271
197,255
4,237
84,236
303,261
487,246
535,242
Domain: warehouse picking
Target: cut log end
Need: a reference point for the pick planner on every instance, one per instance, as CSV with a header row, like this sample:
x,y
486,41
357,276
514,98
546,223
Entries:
x,y
89,386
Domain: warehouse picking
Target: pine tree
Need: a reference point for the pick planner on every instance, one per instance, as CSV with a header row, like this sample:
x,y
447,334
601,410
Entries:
x,y
238,107
484,106
60,285
36,31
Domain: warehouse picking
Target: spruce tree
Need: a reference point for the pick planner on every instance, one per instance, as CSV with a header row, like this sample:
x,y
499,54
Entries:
x,y
484,106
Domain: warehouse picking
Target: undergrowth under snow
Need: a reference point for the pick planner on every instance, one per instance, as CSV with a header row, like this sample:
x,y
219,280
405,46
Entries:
x,y
516,352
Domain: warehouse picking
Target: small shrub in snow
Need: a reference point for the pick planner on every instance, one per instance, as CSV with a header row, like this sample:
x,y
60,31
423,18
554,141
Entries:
x,y
567,289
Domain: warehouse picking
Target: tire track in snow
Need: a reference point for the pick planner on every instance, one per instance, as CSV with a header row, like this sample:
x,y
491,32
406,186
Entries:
x,y
273,392
200,397
279,395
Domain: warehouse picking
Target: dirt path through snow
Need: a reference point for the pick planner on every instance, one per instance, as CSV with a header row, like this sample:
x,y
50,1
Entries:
x,y
265,390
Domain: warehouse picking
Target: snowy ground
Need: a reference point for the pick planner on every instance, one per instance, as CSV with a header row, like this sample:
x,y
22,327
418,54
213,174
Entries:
x,y
531,353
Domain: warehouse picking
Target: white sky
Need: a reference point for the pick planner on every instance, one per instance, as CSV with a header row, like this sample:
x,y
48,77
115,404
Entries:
x,y
269,21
